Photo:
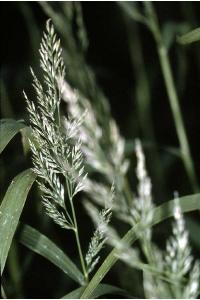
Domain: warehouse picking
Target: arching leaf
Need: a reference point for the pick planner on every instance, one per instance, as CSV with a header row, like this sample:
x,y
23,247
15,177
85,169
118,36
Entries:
x,y
8,129
11,209
42,245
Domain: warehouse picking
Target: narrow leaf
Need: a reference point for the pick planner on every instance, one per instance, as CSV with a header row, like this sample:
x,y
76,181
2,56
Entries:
x,y
190,37
75,294
8,129
161,213
11,209
101,290
42,245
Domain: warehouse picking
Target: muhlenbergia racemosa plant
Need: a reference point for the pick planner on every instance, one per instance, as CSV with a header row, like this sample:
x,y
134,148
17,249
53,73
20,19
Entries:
x,y
63,147
57,155
81,160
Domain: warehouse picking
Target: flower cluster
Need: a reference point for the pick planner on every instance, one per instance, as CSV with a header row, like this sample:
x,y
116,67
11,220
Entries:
x,y
56,159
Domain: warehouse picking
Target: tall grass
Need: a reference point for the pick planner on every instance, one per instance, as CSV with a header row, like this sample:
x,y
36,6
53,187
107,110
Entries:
x,y
79,158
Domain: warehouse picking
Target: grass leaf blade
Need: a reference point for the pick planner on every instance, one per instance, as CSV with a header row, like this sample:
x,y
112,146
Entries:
x,y
8,129
190,37
75,294
101,290
11,209
42,245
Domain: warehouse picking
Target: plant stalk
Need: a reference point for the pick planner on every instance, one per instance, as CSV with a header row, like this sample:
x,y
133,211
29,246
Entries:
x,y
172,95
75,229
78,242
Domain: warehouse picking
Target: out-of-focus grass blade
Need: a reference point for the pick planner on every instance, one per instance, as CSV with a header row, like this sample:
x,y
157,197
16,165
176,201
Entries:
x,y
132,11
3,294
190,37
101,290
31,25
11,209
8,129
42,245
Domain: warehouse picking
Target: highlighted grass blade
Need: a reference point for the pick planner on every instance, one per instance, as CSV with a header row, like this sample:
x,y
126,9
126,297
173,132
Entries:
x,y
76,294
42,245
101,290
11,209
190,37
8,129
161,213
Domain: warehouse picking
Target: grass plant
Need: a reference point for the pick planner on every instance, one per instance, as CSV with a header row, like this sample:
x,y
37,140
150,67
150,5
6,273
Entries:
x,y
79,158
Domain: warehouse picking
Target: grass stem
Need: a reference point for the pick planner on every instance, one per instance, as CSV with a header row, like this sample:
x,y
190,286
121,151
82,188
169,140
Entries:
x,y
85,273
172,95
78,242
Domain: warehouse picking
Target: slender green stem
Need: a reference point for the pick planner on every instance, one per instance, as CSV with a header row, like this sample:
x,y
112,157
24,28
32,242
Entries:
x,y
148,250
78,242
142,96
58,114
185,149
85,273
161,213
172,95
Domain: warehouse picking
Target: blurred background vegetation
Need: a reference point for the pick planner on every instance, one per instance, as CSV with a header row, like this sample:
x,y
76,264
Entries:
x,y
113,60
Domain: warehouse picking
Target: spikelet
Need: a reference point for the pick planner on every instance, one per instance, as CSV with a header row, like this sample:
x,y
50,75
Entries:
x,y
178,258
142,205
101,220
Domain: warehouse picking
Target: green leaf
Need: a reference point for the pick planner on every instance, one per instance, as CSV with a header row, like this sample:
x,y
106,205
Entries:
x,y
11,209
42,245
101,290
8,129
190,37
162,212
76,294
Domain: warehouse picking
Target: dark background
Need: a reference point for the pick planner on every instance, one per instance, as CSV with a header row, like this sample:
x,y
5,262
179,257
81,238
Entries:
x,y
109,56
